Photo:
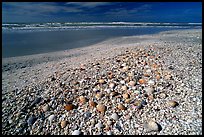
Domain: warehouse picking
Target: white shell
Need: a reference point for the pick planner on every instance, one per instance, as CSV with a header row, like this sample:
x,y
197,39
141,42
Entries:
x,y
149,90
152,126
151,82
122,82
111,85
99,125
114,116
109,122
76,132
148,71
45,108
124,64
51,118
109,133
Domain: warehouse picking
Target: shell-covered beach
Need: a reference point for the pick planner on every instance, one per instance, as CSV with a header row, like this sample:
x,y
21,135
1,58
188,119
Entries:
x,y
137,85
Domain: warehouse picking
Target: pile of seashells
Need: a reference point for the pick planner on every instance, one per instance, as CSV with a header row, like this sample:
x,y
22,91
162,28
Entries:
x,y
132,93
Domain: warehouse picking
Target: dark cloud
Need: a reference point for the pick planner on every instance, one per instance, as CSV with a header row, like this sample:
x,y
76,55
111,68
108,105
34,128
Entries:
x,y
98,11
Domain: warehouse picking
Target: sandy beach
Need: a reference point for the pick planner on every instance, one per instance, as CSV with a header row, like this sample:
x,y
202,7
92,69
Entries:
x,y
137,85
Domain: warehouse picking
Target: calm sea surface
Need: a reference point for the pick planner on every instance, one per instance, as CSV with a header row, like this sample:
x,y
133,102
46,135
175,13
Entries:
x,y
21,42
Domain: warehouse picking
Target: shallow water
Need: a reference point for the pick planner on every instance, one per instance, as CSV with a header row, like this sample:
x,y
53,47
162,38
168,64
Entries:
x,y
21,42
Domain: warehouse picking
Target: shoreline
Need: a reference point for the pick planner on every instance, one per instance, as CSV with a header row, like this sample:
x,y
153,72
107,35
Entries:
x,y
180,55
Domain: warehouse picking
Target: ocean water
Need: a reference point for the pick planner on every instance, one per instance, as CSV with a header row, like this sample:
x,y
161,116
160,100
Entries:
x,y
27,39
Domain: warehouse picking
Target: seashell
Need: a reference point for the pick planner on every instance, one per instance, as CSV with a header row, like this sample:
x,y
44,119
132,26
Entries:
x,y
154,66
87,115
95,89
156,72
99,95
45,108
92,121
172,103
111,85
124,87
69,107
151,126
146,75
109,122
92,104
151,97
142,81
107,127
117,60
121,107
66,90
127,79
149,90
51,118
132,83
82,99
137,92
123,65
115,116
101,81
158,77
75,82
127,100
144,63
162,95
126,95
151,82
101,108
151,57
110,75
37,100
131,74
138,104
167,77
125,68
76,132
82,67
108,91
143,102
99,125
109,132
113,94
31,120
146,54
63,124
148,71
122,82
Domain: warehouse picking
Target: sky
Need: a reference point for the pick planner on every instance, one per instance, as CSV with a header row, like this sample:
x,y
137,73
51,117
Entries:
x,y
28,12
